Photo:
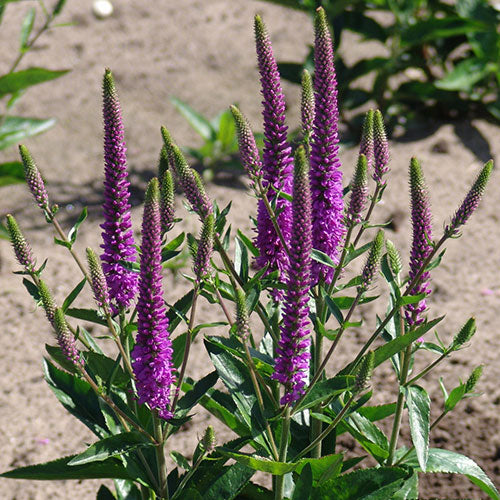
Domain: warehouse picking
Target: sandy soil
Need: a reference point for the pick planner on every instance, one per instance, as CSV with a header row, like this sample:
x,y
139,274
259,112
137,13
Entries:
x,y
203,53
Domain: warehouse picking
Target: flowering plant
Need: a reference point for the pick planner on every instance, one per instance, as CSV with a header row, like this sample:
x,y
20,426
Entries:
x,y
284,397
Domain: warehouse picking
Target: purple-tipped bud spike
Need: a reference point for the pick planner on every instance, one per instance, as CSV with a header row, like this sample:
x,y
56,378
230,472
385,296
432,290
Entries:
x,y
66,340
380,148
117,235
152,354
366,146
22,249
249,152
204,251
373,261
48,303
292,362
307,107
421,242
277,162
34,179
359,191
99,285
326,177
242,320
471,201
167,206
188,178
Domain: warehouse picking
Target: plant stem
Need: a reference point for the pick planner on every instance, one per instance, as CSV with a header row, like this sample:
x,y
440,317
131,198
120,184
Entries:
x,y
425,371
338,269
126,360
160,457
368,213
285,431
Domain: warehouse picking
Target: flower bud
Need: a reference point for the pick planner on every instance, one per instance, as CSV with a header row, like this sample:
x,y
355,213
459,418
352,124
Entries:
x,y
372,262
65,338
208,441
99,285
359,191
242,322
473,379
307,105
167,207
464,335
22,249
47,301
366,143
365,371
205,247
380,148
34,179
394,258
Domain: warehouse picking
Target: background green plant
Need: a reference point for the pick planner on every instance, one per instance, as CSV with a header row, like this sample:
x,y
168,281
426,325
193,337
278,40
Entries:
x,y
14,84
442,59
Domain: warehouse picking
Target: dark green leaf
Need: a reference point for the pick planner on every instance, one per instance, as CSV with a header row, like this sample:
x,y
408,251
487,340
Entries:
x,y
26,28
32,289
464,75
111,447
199,123
369,436
411,299
409,490
322,258
194,395
456,395
177,312
73,295
450,462
259,463
105,368
354,254
180,460
58,7
241,260
60,470
324,468
74,230
12,82
335,310
303,485
11,173
16,128
248,243
104,493
367,27
87,315
374,413
419,409
326,389
57,355
127,490
62,243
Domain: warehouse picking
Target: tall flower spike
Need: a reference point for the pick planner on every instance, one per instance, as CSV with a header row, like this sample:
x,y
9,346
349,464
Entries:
x,y
163,164
372,262
249,152
22,249
277,159
307,107
99,285
167,207
65,339
152,354
326,177
359,191
188,178
471,201
34,179
292,362
47,301
242,320
204,251
422,238
117,235
366,145
380,149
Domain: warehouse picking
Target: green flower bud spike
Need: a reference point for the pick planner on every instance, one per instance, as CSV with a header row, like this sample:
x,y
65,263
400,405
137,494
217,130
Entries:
x,y
366,143
205,247
163,163
167,206
359,191
365,371
242,322
34,180
208,441
372,262
472,381
464,335
307,107
99,285
47,301
22,249
65,339
394,258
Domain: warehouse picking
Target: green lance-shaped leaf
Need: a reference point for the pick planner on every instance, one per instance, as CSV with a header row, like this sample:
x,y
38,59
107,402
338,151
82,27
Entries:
x,y
19,80
17,128
419,408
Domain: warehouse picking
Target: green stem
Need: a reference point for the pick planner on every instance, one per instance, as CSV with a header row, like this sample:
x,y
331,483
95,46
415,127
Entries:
x,y
285,431
126,360
369,213
160,457
338,269
425,371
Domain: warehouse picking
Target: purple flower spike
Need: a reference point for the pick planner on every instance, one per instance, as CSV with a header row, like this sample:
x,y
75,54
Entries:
x,y
326,177
277,158
421,243
152,354
380,149
292,363
118,241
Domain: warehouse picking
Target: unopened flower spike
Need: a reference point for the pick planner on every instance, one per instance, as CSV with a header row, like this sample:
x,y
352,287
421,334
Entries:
x,y
325,174
380,149
473,379
22,249
365,371
293,356
242,320
394,258
307,108
188,178
99,285
118,241
48,303
204,251
373,261
65,339
465,334
366,146
152,353
34,180
277,161
208,441
163,164
249,152
421,242
471,201
167,206
359,191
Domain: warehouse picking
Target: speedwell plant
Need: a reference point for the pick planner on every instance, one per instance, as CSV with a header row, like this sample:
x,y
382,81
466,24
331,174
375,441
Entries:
x,y
282,392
